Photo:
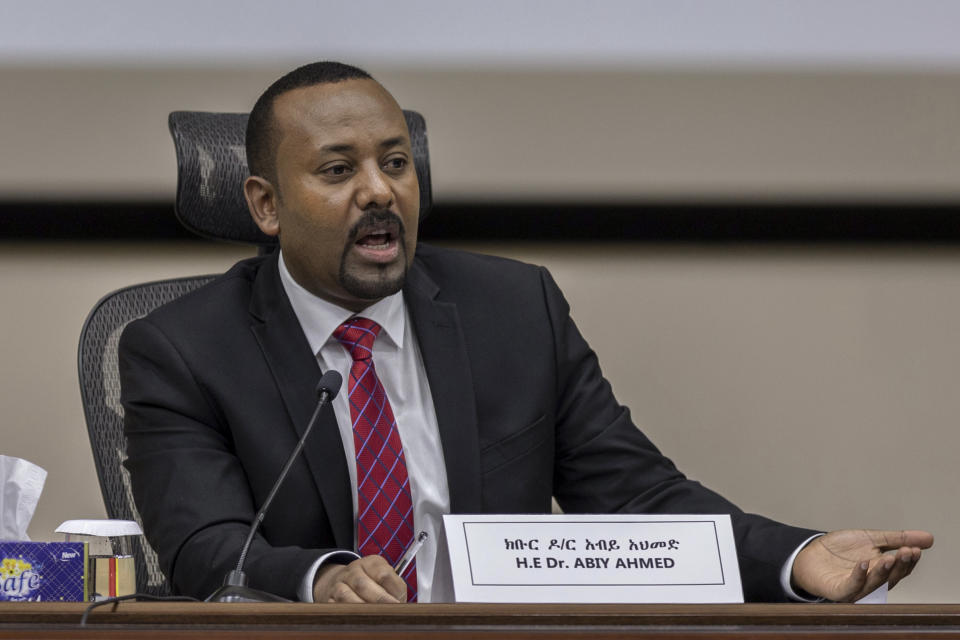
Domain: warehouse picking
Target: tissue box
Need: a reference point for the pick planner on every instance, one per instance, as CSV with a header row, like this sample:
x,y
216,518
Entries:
x,y
47,571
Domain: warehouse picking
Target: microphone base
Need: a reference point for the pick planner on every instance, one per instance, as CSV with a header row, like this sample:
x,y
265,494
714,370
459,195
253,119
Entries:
x,y
234,593
235,589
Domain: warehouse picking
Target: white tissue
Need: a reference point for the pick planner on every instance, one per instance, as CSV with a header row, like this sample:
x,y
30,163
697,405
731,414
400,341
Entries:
x,y
22,485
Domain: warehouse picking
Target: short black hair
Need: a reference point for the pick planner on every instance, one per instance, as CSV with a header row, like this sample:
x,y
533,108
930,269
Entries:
x,y
261,127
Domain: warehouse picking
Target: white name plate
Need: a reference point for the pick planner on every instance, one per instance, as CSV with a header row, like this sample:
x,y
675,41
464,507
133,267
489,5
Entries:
x,y
593,558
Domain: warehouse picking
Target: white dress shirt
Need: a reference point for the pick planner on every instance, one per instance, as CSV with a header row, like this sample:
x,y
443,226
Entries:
x,y
396,357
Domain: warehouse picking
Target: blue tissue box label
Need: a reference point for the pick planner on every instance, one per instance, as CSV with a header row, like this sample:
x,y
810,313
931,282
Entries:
x,y
43,571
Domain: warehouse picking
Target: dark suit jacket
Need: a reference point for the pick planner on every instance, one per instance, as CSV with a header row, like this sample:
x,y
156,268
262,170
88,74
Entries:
x,y
218,386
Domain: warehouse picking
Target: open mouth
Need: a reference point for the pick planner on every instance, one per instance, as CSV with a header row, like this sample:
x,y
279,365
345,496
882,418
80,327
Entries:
x,y
379,242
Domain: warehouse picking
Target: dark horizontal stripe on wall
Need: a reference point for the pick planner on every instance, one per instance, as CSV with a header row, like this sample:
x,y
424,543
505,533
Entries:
x,y
506,221
699,222
90,221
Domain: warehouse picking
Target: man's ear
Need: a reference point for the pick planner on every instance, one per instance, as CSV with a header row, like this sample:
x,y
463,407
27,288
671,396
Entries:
x,y
262,202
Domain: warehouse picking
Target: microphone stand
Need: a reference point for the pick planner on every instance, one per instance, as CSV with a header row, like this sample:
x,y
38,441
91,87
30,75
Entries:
x,y
235,587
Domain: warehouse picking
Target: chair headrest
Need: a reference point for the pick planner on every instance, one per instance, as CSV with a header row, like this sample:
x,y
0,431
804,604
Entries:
x,y
212,165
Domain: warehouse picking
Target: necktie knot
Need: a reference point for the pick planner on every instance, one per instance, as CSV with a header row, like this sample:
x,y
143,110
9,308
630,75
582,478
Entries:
x,y
357,335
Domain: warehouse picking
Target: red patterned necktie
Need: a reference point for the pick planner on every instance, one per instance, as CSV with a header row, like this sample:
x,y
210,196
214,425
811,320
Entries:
x,y
384,504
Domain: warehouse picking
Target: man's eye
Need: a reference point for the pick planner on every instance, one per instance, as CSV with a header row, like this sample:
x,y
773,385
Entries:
x,y
337,170
396,164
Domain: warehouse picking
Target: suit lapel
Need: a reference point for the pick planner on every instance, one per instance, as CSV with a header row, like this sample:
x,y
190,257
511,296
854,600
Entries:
x,y
438,331
296,372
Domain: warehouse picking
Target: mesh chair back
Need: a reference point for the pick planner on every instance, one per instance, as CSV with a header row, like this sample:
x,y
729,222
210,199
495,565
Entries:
x,y
212,165
100,391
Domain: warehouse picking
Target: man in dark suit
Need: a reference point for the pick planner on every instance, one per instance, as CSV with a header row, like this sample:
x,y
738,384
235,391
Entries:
x,y
494,402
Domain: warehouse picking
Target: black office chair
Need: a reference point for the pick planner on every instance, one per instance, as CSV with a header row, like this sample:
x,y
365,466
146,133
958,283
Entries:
x,y
211,167
100,392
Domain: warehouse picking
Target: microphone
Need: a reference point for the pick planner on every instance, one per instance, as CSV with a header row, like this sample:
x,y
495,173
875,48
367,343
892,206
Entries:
x,y
235,587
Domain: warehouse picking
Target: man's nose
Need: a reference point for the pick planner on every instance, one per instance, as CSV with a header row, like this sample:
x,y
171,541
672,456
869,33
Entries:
x,y
374,189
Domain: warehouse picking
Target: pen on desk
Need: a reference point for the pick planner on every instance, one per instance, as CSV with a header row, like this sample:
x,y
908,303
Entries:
x,y
411,553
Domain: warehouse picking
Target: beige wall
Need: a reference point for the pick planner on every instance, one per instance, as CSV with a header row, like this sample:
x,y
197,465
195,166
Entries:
x,y
522,134
818,386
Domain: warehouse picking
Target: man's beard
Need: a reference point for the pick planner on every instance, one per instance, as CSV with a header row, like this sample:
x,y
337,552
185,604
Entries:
x,y
384,283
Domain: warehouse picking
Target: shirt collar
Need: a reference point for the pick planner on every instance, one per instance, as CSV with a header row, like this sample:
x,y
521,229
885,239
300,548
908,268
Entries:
x,y
320,318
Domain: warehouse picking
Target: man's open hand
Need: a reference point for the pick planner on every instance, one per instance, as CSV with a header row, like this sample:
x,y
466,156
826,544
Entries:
x,y
368,579
846,565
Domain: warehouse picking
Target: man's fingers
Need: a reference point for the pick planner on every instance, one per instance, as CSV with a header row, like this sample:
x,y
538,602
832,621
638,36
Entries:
x,y
368,579
371,591
890,540
386,578
397,587
855,581
343,592
906,560
878,573
379,583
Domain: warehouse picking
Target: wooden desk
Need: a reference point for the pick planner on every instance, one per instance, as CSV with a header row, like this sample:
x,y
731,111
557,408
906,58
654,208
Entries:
x,y
32,620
